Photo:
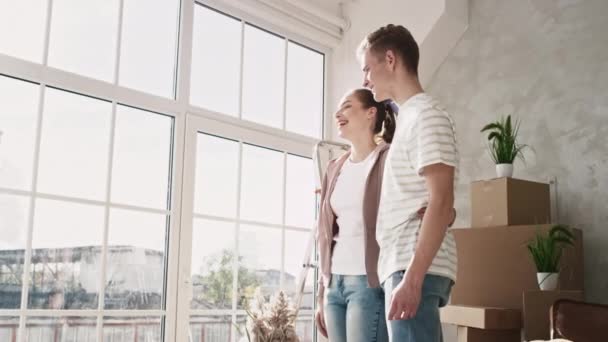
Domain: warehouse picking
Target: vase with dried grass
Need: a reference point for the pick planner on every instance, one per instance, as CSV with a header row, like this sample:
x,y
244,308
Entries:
x,y
272,321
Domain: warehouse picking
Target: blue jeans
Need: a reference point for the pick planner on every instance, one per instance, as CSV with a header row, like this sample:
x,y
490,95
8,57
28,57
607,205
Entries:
x,y
425,326
354,312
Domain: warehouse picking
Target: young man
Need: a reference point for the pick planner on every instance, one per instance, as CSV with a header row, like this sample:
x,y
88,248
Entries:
x,y
417,262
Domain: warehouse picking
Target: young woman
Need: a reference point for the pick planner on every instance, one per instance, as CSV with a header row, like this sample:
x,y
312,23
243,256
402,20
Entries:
x,y
351,300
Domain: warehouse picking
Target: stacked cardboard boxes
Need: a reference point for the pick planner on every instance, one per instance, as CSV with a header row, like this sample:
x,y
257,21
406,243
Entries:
x,y
509,202
496,275
479,324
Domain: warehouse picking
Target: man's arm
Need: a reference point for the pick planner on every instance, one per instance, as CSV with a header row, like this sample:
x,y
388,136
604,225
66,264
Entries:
x,y
438,216
439,213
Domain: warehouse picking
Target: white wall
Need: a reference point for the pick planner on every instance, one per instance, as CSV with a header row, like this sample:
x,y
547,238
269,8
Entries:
x,y
550,71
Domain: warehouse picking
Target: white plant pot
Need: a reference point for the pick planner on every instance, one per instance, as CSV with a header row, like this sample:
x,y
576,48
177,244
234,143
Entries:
x,y
547,281
504,170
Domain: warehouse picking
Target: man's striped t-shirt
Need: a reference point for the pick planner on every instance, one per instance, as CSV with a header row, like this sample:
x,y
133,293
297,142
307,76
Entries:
x,y
425,135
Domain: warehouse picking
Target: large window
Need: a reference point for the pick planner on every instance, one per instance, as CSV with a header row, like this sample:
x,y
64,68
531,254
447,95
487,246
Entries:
x,y
97,211
85,37
253,208
244,71
86,185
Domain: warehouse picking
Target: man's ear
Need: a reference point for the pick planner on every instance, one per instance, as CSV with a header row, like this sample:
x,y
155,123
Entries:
x,y
391,59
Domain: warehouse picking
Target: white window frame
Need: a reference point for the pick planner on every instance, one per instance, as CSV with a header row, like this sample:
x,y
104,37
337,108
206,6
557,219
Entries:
x,y
196,125
181,110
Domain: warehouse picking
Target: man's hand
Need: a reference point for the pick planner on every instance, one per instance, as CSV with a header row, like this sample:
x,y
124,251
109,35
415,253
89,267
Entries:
x,y
320,319
405,299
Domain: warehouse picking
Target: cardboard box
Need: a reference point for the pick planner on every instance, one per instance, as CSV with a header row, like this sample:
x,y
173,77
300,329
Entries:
x,y
495,268
482,317
466,334
508,202
536,311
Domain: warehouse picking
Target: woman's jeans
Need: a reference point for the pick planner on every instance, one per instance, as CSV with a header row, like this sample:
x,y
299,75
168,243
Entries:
x,y
354,312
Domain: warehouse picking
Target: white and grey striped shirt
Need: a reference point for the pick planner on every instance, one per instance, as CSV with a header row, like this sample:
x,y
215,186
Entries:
x,y
425,136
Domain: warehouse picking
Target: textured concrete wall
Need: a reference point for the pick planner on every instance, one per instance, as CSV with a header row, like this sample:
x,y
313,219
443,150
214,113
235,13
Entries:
x,y
546,62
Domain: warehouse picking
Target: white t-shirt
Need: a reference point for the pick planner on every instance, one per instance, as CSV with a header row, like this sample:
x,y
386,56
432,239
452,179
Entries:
x,y
425,135
348,257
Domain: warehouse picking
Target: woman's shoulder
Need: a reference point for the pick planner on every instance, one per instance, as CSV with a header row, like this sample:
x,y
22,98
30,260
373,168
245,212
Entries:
x,y
383,148
383,153
332,164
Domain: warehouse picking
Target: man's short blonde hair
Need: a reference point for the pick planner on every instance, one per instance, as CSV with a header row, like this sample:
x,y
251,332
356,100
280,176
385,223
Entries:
x,y
395,38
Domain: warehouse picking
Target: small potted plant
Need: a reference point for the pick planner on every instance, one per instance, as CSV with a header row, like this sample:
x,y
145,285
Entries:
x,y
546,251
503,145
272,321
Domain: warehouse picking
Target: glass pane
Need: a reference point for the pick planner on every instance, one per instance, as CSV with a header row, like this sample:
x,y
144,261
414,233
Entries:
x,y
296,243
135,272
211,328
304,91
216,61
132,329
22,25
304,327
149,64
8,328
213,255
83,37
300,192
241,327
263,77
142,158
14,213
260,254
66,255
216,159
18,121
262,184
52,329
74,147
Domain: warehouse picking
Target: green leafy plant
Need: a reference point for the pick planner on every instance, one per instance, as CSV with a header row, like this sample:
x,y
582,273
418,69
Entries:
x,y
546,250
502,140
215,280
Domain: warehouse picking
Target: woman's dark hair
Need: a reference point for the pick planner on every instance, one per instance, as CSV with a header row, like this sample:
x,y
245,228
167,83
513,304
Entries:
x,y
385,113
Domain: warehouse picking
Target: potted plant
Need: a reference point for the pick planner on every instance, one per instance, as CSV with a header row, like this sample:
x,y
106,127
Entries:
x,y
503,146
546,251
272,321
